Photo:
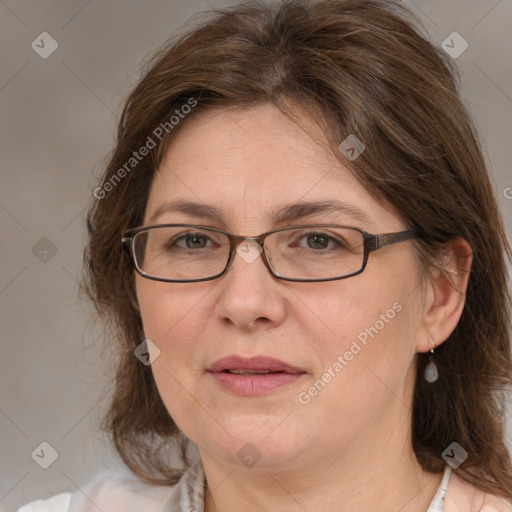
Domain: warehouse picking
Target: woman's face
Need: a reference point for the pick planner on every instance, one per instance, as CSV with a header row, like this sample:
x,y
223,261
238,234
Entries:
x,y
353,340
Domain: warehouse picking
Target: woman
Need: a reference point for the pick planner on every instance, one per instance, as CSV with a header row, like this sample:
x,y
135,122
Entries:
x,y
297,246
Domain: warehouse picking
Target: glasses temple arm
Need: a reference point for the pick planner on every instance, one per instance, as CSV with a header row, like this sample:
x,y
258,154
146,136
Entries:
x,y
377,241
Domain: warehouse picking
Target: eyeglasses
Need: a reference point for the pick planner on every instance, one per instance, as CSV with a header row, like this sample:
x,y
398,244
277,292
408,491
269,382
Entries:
x,y
184,253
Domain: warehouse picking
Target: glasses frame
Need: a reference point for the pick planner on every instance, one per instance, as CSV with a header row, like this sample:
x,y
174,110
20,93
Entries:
x,y
371,243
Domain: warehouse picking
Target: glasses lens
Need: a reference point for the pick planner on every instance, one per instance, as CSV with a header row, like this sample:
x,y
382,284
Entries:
x,y
315,252
181,252
188,253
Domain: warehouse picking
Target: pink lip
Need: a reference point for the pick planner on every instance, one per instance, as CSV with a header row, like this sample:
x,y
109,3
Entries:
x,y
235,362
251,385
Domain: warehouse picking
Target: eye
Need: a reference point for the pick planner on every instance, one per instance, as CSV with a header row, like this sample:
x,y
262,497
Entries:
x,y
321,241
191,240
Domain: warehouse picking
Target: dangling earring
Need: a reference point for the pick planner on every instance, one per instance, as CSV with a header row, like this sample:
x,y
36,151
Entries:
x,y
431,374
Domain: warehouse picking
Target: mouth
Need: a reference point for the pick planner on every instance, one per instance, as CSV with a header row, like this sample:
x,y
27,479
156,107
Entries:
x,y
253,376
257,365
249,372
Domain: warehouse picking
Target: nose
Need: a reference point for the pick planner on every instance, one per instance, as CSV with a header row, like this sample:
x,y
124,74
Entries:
x,y
249,295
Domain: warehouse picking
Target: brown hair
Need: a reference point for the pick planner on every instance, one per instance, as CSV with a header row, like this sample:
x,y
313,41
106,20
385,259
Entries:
x,y
357,67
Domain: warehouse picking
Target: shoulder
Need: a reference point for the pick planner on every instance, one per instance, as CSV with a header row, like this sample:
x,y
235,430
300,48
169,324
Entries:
x,y
107,492
57,503
462,496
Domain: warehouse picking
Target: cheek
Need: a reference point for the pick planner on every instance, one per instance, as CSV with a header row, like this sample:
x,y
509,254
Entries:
x,y
371,336
364,369
173,318
373,333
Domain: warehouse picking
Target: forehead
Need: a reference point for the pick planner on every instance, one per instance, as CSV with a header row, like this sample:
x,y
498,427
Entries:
x,y
250,162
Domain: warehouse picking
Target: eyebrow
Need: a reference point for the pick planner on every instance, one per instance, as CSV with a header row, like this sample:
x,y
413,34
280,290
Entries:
x,y
284,214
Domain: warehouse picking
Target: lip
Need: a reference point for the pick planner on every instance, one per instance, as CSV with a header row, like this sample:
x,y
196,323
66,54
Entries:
x,y
253,385
254,363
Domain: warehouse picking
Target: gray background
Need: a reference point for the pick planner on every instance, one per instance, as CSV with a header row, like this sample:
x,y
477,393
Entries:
x,y
58,121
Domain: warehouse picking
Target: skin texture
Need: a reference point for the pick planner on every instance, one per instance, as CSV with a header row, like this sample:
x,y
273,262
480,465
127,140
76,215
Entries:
x,y
348,448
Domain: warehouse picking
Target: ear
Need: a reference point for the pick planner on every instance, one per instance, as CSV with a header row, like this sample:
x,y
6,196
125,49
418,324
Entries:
x,y
446,295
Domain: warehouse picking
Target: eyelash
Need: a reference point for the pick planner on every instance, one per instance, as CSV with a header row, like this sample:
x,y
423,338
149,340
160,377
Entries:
x,y
336,242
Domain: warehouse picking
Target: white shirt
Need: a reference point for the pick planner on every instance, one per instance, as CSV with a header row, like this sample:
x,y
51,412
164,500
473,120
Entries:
x,y
126,494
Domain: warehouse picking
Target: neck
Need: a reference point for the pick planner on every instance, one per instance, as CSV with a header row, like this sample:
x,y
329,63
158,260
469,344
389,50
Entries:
x,y
390,481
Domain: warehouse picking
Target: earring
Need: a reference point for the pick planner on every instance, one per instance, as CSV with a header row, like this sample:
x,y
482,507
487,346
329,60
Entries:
x,y
431,374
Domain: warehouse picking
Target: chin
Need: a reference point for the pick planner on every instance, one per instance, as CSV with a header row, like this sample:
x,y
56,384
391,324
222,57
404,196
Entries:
x,y
253,445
